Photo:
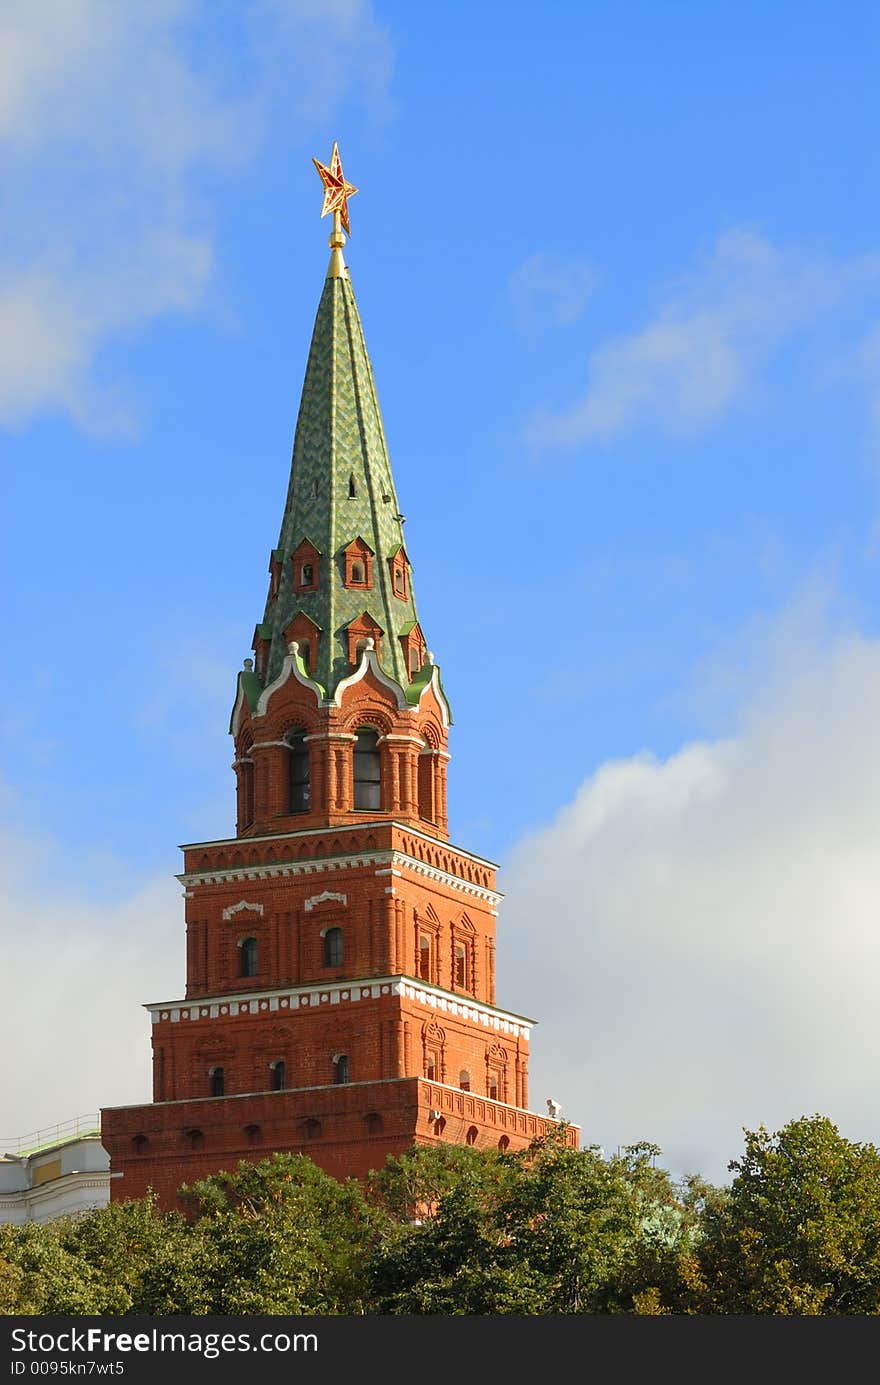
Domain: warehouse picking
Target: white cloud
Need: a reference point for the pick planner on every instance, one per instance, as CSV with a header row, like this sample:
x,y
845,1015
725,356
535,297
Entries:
x,y
698,936
700,353
78,967
550,289
109,116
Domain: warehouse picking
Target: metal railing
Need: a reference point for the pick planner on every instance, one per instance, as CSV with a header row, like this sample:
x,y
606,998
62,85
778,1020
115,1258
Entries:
x,y
21,1145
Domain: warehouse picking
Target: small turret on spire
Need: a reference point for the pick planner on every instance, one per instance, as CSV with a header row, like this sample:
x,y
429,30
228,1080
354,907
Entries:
x,y
336,194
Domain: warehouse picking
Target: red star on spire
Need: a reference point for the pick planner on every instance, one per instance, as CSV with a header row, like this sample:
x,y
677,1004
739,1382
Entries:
x,y
336,190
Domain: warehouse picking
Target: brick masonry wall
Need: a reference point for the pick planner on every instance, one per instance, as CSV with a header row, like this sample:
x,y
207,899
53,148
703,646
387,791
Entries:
x,y
429,1059
347,1131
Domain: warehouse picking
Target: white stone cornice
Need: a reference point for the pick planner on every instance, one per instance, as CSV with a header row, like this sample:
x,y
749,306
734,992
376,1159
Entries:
x,y
263,1004
278,869
454,882
384,862
412,740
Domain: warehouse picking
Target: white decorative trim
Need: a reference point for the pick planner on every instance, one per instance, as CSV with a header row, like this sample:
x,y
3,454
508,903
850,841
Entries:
x,y
414,740
314,996
288,669
368,660
242,904
434,682
498,1020
235,719
323,898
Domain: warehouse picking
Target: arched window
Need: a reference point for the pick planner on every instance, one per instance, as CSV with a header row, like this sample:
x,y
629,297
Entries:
x,y
139,1144
460,966
333,947
504,1143
340,1069
471,1136
367,783
464,1080
493,1087
313,1129
374,1123
195,1139
307,575
253,1134
279,1075
216,1081
248,957
298,766
352,487
424,957
357,572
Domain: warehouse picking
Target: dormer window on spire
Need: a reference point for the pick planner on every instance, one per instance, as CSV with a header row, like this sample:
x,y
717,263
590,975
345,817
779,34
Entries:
x,y
274,574
413,644
399,565
306,562
358,563
358,631
261,645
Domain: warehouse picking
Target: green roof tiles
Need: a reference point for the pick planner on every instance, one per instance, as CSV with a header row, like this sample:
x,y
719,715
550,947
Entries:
x,y
341,488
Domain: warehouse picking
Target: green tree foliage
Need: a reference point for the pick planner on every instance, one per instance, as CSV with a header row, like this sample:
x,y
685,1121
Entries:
x,y
799,1230
39,1275
549,1230
456,1230
276,1237
279,1236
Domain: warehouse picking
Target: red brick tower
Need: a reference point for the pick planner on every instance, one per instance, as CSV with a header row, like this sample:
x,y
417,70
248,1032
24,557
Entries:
x,y
340,994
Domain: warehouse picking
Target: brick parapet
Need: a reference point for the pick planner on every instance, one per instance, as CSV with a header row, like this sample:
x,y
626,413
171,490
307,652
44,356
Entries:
x,y
347,1131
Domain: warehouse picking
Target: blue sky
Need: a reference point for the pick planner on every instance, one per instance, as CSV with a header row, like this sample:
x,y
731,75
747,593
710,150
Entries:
x,y
619,273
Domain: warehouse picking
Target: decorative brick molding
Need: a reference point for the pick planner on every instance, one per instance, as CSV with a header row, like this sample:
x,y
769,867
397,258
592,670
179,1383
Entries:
x,y
241,907
327,897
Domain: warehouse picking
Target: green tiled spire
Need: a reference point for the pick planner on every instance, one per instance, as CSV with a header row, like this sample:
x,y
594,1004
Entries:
x,y
341,489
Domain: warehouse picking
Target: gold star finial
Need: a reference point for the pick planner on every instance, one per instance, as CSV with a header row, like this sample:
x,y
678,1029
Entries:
x,y
336,190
